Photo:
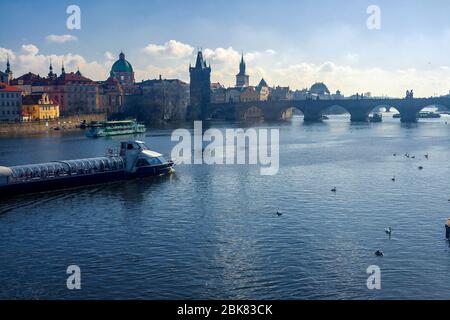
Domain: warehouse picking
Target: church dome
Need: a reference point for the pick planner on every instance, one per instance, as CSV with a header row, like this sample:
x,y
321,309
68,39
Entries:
x,y
319,88
122,65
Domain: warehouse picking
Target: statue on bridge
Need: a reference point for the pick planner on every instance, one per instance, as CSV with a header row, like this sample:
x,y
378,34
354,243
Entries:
x,y
410,94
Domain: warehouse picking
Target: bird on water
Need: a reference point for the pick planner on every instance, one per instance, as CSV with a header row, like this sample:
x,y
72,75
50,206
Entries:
x,y
378,253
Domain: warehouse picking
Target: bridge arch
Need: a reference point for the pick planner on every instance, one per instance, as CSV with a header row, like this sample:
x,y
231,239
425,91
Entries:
x,y
436,106
335,109
289,112
382,109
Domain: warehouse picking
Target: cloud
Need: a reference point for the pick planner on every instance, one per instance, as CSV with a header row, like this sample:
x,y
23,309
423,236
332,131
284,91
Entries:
x,y
351,80
5,53
276,68
53,38
30,49
352,57
109,55
171,49
28,59
222,55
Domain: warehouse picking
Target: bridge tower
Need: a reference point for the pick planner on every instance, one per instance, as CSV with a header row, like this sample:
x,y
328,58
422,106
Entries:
x,y
200,89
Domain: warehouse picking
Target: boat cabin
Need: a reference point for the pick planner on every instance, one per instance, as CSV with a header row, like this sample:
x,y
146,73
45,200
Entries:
x,y
137,155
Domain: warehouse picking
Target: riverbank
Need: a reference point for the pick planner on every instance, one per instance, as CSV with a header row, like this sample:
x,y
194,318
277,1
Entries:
x,y
69,123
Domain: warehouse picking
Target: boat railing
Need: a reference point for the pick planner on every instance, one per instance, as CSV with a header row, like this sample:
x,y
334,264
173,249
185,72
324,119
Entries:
x,y
63,169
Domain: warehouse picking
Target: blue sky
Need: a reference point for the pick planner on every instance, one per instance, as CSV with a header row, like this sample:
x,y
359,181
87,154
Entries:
x,y
288,42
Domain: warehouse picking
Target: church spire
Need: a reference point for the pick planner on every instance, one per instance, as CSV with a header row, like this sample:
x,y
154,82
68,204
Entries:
x,y
63,70
50,70
200,63
8,65
8,70
242,65
242,79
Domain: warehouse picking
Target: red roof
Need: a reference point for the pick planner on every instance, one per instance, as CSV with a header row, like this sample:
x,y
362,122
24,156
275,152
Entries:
x,y
36,80
72,77
7,88
27,79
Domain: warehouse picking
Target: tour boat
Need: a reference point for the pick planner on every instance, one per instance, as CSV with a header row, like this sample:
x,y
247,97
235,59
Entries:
x,y
429,115
377,117
133,160
115,128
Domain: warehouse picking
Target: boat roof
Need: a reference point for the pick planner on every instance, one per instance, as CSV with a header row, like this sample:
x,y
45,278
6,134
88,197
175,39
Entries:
x,y
151,153
120,121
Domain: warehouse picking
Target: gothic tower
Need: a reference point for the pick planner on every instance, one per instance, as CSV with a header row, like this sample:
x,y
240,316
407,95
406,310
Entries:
x,y
9,73
51,74
200,89
242,80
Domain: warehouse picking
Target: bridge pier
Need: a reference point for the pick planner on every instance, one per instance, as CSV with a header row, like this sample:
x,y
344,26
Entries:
x,y
359,114
359,118
409,116
311,114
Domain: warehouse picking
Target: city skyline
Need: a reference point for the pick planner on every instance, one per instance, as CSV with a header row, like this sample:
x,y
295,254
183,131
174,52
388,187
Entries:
x,y
280,45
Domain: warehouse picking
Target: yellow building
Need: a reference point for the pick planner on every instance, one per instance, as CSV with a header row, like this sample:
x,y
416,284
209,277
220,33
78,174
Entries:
x,y
39,106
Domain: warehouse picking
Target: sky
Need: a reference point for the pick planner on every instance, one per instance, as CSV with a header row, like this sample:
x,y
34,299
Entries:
x,y
287,42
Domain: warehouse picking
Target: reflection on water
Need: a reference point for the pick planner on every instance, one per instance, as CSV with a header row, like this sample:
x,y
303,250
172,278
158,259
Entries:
x,y
212,231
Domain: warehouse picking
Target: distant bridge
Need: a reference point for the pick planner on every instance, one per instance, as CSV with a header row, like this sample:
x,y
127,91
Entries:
x,y
313,110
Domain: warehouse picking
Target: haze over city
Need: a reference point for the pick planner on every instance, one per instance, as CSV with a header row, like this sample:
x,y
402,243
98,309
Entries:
x,y
289,43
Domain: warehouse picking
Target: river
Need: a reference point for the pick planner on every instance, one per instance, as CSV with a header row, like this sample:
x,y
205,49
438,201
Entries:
x,y
211,232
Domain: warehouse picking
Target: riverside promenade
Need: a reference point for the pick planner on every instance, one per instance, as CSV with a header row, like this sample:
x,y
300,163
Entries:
x,y
68,123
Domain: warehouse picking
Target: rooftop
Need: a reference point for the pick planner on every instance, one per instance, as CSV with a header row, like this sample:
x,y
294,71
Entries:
x,y
7,88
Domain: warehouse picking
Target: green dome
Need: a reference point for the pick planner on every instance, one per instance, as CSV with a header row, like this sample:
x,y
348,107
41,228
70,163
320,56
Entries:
x,y
319,88
121,65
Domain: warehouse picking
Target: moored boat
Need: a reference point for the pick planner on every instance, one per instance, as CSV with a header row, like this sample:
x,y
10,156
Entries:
x,y
429,115
134,160
115,128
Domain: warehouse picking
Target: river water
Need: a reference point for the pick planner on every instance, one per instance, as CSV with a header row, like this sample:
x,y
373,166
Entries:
x,y
211,232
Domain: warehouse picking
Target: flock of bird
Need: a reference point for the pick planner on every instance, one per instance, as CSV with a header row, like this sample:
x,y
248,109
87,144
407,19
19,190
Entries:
x,y
387,230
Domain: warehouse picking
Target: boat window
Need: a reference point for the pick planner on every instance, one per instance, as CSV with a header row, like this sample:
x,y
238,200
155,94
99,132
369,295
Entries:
x,y
155,161
142,163
130,146
162,159
142,146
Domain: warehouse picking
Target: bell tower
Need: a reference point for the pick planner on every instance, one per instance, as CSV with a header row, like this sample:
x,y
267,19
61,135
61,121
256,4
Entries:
x,y
242,79
9,73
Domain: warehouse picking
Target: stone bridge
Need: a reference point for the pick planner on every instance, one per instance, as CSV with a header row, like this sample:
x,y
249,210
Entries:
x,y
313,110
